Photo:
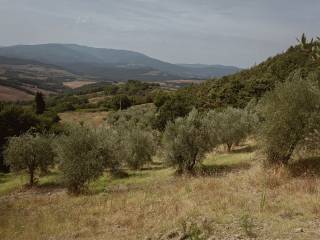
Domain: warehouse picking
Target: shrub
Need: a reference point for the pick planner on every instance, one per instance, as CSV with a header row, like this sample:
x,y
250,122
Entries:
x,y
29,152
186,141
171,108
231,125
120,101
291,114
40,105
13,122
139,147
80,158
139,116
111,147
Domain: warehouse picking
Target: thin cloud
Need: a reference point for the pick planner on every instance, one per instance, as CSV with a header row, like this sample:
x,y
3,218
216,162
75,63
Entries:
x,y
229,32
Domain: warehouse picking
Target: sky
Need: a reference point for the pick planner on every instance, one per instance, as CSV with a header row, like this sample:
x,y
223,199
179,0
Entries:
x,y
230,32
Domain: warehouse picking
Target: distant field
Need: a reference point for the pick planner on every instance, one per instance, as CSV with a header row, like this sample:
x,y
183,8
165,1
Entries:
x,y
77,84
95,119
186,81
8,94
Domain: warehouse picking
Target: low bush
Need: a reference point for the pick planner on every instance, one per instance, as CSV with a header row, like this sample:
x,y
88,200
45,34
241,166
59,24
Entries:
x,y
185,142
30,152
291,116
231,125
81,159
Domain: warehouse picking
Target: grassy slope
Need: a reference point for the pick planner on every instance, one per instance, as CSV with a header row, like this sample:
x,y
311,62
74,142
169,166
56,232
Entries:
x,y
94,119
154,201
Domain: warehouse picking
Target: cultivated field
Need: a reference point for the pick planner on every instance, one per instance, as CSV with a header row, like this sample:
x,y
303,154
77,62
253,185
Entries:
x,y
232,197
77,84
8,94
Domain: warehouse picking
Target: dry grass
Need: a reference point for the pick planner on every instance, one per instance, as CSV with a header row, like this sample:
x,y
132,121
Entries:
x,y
8,94
77,84
94,119
155,201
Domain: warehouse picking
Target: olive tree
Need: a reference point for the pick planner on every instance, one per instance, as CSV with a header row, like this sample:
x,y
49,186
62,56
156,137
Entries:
x,y
185,142
81,159
290,114
29,152
112,148
139,147
230,125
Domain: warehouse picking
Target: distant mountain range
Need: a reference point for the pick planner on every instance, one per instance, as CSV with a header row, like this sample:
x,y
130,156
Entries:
x,y
111,64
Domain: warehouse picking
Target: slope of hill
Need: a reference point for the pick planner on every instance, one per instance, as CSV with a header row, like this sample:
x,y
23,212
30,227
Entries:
x,y
238,89
210,70
108,64
21,78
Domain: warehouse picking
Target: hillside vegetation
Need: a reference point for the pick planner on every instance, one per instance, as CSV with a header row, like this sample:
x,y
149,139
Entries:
x,y
238,89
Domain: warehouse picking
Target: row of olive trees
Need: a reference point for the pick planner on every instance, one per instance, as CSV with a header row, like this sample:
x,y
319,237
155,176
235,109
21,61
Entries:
x,y
288,118
187,140
82,154
285,120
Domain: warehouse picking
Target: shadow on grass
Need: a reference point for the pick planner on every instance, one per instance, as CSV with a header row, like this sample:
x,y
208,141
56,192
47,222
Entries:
x,y
305,167
218,170
50,185
160,167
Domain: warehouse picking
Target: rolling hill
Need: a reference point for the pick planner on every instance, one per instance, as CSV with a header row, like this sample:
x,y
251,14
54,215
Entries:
x,y
111,64
238,89
21,78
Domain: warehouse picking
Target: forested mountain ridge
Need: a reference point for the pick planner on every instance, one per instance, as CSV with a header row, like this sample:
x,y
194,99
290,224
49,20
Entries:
x,y
238,89
110,64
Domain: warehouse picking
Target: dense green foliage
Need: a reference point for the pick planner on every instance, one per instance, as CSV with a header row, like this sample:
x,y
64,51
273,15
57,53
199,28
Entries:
x,y
16,120
291,115
141,116
68,102
238,89
30,152
230,125
136,139
170,107
131,93
80,158
119,102
139,147
13,122
40,105
185,142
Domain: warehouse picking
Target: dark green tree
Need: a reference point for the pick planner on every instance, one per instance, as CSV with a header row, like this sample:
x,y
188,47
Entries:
x,y
291,115
40,103
13,122
186,141
120,102
175,106
29,152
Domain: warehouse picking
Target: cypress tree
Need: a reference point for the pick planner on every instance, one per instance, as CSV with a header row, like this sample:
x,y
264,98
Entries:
x,y
40,104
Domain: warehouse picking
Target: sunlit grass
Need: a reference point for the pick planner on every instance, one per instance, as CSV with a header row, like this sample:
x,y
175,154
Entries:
x,y
228,158
10,182
155,200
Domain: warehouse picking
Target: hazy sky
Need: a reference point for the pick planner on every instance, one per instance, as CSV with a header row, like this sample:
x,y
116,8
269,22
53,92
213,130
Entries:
x,y
232,32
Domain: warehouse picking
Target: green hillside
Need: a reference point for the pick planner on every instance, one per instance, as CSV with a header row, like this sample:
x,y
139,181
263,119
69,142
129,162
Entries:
x,y
238,89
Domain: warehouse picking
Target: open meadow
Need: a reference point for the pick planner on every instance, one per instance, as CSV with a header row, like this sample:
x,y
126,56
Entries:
x,y
232,197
